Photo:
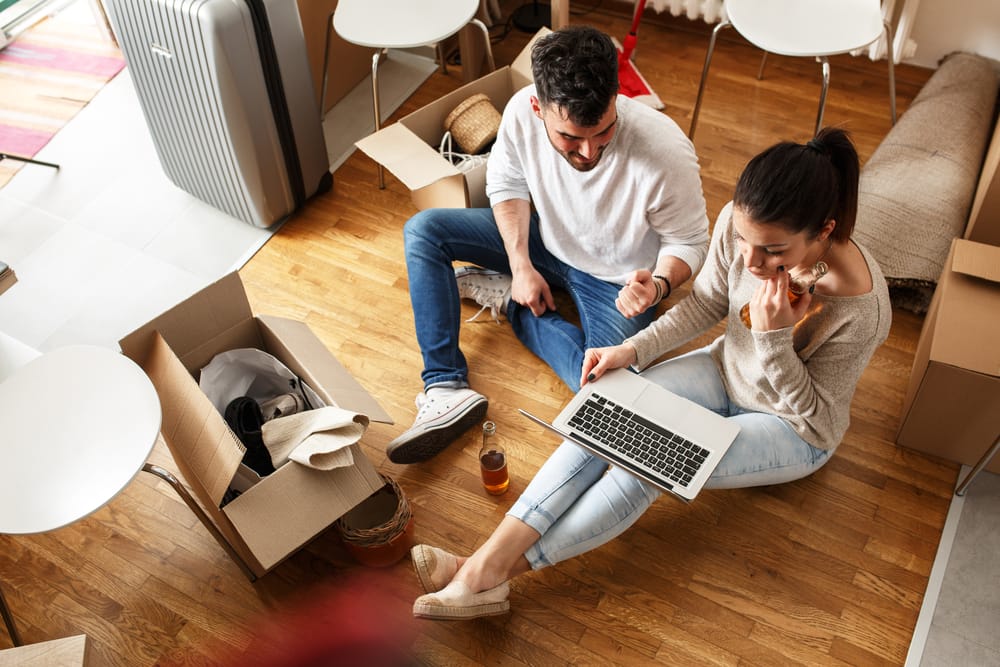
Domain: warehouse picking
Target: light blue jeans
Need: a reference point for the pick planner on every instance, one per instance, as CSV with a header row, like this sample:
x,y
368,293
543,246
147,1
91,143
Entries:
x,y
435,238
577,502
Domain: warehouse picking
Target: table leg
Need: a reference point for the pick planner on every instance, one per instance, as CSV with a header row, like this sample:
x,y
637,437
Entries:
x,y
378,110
9,621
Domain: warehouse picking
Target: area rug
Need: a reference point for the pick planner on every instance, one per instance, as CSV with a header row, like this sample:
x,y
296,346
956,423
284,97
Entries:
x,y
47,74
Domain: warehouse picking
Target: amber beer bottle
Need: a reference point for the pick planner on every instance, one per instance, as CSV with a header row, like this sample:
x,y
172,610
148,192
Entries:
x,y
493,461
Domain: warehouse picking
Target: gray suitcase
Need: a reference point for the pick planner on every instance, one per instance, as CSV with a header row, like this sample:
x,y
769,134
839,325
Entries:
x,y
227,93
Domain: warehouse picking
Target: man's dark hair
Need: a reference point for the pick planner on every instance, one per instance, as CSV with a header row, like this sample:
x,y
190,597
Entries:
x,y
576,68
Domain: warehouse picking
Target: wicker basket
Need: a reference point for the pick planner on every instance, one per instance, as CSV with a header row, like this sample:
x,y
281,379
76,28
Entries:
x,y
379,530
473,123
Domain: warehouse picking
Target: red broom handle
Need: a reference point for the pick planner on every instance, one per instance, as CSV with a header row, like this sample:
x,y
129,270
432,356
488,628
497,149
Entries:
x,y
630,39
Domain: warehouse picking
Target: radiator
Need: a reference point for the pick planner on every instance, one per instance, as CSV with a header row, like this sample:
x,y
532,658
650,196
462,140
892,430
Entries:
x,y
708,10
712,11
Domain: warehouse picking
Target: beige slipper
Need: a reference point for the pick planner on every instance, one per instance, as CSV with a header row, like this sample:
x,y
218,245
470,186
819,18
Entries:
x,y
456,602
434,567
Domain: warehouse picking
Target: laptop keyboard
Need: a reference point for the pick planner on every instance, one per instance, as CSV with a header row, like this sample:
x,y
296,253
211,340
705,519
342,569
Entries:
x,y
638,439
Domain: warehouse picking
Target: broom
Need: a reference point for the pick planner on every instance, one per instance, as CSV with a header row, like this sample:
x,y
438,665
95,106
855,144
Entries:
x,y
631,83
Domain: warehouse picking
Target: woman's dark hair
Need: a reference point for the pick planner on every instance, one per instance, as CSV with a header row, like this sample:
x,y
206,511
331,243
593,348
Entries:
x,y
576,68
801,186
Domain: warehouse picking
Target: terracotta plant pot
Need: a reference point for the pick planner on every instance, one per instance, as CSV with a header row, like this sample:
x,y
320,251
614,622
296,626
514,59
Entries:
x,y
378,532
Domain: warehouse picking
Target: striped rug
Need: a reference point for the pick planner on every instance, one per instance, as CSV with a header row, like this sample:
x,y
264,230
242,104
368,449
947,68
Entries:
x,y
47,75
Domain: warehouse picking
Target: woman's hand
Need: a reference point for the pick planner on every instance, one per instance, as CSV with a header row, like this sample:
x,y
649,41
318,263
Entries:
x,y
598,360
770,307
640,292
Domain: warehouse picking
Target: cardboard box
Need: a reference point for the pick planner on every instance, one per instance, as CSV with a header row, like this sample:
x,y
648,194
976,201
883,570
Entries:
x,y
984,218
409,148
287,508
66,652
349,64
952,405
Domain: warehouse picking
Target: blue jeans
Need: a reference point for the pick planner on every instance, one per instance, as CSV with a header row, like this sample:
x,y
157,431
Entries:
x,y
577,502
435,238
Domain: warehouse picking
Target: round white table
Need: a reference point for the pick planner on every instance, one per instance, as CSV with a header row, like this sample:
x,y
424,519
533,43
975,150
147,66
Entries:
x,y
76,425
399,24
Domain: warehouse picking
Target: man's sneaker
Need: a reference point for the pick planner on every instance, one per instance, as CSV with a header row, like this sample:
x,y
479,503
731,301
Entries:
x,y
490,289
443,414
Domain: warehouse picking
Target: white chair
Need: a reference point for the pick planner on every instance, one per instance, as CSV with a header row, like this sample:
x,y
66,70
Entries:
x,y
400,24
76,425
810,28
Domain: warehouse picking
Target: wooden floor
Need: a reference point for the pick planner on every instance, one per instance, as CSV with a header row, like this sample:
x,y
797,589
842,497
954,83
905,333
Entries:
x,y
828,570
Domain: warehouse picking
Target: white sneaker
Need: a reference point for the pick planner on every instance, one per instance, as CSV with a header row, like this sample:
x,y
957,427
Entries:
x,y
490,289
442,416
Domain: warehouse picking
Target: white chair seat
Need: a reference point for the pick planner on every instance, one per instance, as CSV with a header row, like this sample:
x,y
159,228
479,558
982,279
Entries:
x,y
401,24
804,28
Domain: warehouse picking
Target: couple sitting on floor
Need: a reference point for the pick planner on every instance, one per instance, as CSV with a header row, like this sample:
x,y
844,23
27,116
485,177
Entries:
x,y
599,195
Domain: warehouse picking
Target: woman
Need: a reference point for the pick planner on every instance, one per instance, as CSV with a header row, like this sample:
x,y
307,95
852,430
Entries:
x,y
785,370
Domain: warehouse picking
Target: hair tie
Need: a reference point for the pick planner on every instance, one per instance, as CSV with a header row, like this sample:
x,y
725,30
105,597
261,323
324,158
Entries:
x,y
818,146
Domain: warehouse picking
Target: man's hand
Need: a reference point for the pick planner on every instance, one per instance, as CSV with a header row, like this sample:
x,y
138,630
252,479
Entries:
x,y
529,289
640,292
598,360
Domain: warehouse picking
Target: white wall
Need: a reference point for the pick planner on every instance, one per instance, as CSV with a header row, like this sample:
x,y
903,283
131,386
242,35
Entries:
x,y
943,26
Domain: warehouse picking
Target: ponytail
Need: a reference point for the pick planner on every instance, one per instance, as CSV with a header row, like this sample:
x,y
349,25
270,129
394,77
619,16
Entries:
x,y
802,186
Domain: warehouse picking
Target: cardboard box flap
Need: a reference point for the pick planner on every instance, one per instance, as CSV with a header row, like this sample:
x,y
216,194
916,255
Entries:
x,y
964,327
307,356
197,320
521,67
977,259
203,447
276,518
410,159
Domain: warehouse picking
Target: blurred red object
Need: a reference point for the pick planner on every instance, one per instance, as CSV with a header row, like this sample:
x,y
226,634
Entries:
x,y
356,623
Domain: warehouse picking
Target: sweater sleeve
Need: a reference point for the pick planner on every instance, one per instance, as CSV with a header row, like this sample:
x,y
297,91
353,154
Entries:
x,y
703,308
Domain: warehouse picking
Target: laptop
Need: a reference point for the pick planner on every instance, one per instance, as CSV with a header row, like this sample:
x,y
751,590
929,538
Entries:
x,y
635,424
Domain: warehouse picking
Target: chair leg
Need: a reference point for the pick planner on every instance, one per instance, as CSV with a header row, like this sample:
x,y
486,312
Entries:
x,y
441,57
704,76
165,475
760,70
9,621
982,463
892,69
822,95
486,43
377,108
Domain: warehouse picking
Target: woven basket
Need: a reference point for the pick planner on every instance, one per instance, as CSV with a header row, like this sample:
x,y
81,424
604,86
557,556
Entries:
x,y
473,123
378,531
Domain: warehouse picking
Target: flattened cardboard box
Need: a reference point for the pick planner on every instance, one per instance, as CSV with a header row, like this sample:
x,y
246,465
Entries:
x,y
952,405
409,148
284,510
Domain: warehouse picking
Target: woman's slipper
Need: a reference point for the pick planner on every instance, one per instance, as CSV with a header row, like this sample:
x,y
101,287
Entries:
x,y
434,567
456,601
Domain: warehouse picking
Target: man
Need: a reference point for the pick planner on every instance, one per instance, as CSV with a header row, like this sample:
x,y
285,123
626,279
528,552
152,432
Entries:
x,y
619,221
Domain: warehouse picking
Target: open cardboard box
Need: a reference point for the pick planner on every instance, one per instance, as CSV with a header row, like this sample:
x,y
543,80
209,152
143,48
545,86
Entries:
x,y
409,148
952,405
284,510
